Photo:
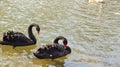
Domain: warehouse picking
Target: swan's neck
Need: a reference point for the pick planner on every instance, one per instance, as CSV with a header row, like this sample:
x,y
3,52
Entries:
x,y
61,38
30,34
56,40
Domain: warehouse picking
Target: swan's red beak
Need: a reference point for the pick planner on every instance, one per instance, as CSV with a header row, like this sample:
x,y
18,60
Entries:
x,y
65,46
38,32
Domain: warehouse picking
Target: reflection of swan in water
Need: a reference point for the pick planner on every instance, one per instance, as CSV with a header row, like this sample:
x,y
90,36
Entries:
x,y
98,1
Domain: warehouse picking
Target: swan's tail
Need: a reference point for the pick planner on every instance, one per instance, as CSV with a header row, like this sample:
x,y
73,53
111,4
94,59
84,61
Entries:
x,y
4,43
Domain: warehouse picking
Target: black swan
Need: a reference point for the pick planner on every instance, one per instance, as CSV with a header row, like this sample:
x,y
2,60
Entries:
x,y
54,50
19,39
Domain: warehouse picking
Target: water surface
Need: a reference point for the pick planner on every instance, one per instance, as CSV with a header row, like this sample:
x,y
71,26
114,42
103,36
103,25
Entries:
x,y
92,30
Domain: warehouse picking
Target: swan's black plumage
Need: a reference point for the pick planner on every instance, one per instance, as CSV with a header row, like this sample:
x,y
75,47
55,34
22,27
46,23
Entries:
x,y
19,39
54,50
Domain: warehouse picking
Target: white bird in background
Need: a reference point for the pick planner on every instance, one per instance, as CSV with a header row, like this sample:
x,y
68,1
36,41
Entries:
x,y
98,1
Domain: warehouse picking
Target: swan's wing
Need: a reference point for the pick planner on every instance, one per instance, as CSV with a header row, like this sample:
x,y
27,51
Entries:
x,y
22,41
10,35
19,34
59,47
22,38
54,47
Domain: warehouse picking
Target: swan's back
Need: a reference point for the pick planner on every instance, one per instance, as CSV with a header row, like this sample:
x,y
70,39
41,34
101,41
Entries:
x,y
15,37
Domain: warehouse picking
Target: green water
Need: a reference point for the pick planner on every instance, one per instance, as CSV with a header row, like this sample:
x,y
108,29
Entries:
x,y
92,30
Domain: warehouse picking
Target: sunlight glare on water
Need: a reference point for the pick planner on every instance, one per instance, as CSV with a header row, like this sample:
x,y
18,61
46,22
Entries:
x,y
92,31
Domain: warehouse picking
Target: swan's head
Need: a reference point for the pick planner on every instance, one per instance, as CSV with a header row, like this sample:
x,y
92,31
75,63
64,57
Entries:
x,y
61,38
65,43
38,29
